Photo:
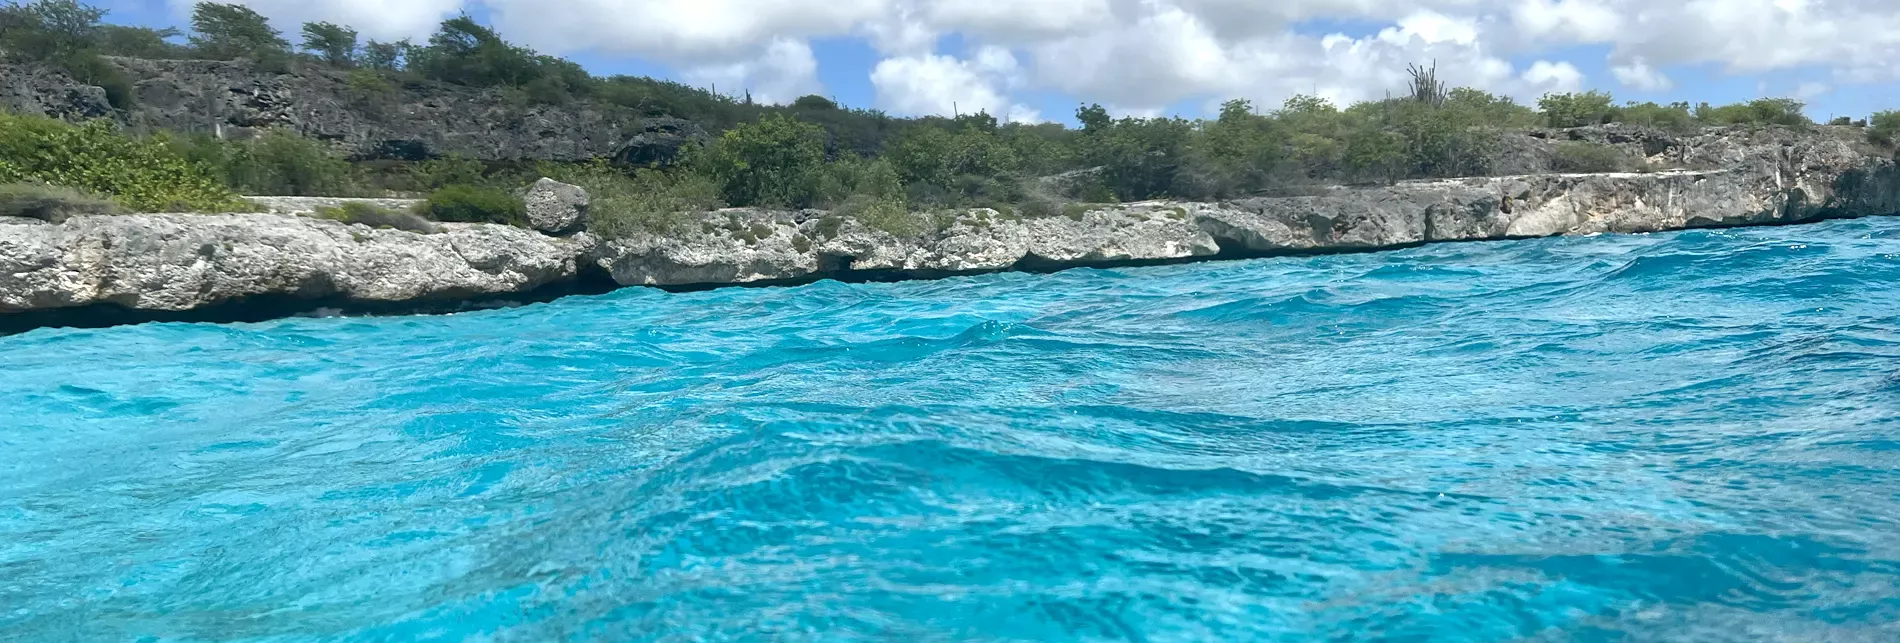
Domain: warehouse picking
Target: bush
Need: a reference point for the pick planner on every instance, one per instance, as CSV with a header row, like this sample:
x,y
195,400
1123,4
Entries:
x,y
470,204
1674,116
887,214
1762,111
1883,128
277,163
144,175
1590,158
1575,110
375,217
652,200
49,203
776,162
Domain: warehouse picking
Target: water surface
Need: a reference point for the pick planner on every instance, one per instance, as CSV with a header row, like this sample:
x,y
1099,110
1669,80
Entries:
x,y
1687,436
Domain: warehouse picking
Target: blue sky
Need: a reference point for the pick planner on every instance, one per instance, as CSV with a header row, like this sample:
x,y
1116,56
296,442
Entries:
x,y
1038,59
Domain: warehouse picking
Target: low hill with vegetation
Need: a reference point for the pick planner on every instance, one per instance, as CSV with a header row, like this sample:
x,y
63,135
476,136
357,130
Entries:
x,y
165,119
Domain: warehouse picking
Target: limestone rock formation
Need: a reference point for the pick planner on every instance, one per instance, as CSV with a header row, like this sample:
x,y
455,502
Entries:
x,y
555,207
176,262
235,100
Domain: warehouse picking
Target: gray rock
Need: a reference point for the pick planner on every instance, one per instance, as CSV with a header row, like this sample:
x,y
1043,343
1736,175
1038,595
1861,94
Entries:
x,y
306,205
555,207
406,121
176,262
182,262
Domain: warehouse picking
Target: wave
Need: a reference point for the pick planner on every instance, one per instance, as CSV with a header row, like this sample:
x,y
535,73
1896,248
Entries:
x,y
1652,437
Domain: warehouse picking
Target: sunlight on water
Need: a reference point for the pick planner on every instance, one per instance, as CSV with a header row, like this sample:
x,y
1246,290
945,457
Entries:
x,y
1687,436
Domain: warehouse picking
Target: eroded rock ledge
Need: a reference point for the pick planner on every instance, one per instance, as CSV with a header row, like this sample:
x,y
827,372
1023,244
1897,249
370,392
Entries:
x,y
102,270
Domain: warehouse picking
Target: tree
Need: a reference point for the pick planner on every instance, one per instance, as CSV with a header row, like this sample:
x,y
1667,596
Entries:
x,y
48,30
139,42
229,31
1575,110
1883,128
386,56
813,102
335,44
775,161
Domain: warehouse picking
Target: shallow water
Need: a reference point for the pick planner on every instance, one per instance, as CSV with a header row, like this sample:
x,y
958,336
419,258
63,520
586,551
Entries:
x,y
1688,436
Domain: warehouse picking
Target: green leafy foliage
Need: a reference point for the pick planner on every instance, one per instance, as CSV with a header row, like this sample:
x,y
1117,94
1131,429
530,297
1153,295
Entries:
x,y
776,161
52,204
464,52
472,204
276,163
1576,109
335,44
232,31
375,217
144,175
66,35
1883,128
1674,116
1761,111
622,204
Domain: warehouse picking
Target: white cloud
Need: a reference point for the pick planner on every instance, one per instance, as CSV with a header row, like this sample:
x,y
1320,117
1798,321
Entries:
x,y
1147,55
784,71
1554,76
945,85
1637,74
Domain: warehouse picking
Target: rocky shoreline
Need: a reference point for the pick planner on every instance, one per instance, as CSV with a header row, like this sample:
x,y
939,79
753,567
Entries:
x,y
101,270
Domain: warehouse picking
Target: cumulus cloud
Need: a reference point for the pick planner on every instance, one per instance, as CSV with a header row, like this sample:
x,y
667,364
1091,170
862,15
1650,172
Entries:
x,y
1637,74
945,85
782,72
1147,55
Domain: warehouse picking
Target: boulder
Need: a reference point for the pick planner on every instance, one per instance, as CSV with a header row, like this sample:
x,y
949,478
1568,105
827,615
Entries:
x,y
555,207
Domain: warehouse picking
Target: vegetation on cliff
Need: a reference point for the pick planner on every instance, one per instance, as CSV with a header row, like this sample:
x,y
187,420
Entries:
x,y
141,174
810,153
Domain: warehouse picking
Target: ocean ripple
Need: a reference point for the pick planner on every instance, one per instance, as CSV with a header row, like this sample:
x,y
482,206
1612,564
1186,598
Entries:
x,y
1683,436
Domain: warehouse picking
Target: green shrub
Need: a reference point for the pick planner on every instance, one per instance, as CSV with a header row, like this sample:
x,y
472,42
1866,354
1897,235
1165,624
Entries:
x,y
776,161
1575,110
651,200
276,163
375,217
470,204
144,175
1674,116
1590,158
50,203
1762,111
887,214
1883,128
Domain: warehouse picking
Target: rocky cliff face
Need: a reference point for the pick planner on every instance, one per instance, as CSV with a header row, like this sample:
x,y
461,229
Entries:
x,y
1769,177
163,263
234,99
151,264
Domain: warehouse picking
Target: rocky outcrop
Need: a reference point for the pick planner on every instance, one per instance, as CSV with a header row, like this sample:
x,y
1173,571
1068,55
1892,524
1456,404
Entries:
x,y
161,263
555,207
180,262
1770,177
306,205
365,116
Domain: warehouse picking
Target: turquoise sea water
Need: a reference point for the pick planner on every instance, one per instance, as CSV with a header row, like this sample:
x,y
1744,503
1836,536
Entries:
x,y
1686,436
